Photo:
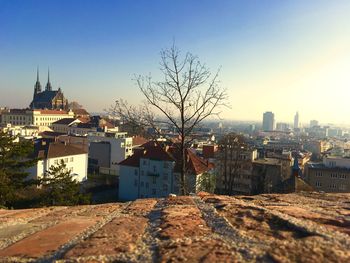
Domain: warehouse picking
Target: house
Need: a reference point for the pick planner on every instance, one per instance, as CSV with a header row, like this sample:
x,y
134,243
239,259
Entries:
x,y
154,171
79,128
52,153
62,125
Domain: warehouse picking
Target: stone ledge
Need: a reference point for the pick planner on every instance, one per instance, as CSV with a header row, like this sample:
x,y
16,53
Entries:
x,y
307,227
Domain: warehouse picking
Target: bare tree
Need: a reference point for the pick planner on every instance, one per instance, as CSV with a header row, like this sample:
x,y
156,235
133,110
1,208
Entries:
x,y
74,105
187,94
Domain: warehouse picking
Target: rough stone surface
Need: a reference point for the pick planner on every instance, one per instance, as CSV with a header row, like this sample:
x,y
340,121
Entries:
x,y
302,227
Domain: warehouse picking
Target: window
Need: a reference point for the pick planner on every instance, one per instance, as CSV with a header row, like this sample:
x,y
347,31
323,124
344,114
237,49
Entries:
x,y
165,177
147,185
142,184
318,184
165,187
55,162
166,165
342,187
71,159
154,180
333,186
154,168
135,182
144,162
135,172
154,191
319,174
66,160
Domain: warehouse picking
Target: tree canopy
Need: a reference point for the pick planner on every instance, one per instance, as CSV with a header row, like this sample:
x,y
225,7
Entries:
x,y
14,162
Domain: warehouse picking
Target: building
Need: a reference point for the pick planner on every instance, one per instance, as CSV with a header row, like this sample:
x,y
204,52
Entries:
x,y
108,149
296,121
281,126
23,117
23,132
62,126
2,111
313,123
234,170
268,121
153,171
82,129
332,175
48,98
52,153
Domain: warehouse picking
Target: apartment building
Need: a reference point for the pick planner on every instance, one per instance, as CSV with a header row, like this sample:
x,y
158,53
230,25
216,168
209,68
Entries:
x,y
22,117
332,175
154,171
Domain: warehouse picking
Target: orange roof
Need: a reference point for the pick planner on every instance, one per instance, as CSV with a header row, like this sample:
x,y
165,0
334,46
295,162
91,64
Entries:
x,y
138,140
149,150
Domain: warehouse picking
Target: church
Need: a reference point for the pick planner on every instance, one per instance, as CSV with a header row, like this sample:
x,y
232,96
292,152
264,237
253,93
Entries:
x,y
48,98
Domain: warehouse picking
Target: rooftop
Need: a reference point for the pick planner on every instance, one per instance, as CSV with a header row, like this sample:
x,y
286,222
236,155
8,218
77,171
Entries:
x,y
45,149
65,121
307,227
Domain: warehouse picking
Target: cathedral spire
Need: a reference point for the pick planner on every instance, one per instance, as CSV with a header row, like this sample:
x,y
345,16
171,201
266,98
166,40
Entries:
x,y
48,85
37,86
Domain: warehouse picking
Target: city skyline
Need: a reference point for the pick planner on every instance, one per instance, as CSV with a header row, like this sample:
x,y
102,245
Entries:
x,y
274,56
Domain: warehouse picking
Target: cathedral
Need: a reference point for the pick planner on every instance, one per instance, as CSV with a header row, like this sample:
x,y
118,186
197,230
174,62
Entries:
x,y
48,98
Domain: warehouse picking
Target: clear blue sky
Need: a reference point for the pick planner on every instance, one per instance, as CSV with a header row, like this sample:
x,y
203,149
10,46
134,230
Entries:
x,y
279,56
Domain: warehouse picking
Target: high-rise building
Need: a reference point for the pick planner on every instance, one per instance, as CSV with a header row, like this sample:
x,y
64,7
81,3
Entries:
x,y
313,123
281,126
268,121
296,120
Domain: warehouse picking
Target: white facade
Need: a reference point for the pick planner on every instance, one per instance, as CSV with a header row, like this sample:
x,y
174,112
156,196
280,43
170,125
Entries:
x,y
121,146
76,164
153,178
34,117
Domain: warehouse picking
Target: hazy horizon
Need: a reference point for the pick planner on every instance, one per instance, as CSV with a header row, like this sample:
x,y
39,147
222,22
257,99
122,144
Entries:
x,y
279,56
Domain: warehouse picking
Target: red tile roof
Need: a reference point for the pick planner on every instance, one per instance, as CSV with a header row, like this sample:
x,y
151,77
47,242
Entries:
x,y
138,140
194,163
80,112
154,151
150,150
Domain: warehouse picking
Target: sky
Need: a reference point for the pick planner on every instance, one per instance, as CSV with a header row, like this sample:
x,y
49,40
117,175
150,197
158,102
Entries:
x,y
279,56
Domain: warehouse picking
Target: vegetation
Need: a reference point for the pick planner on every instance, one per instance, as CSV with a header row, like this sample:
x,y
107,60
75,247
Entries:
x,y
59,188
56,188
14,162
187,94
206,183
